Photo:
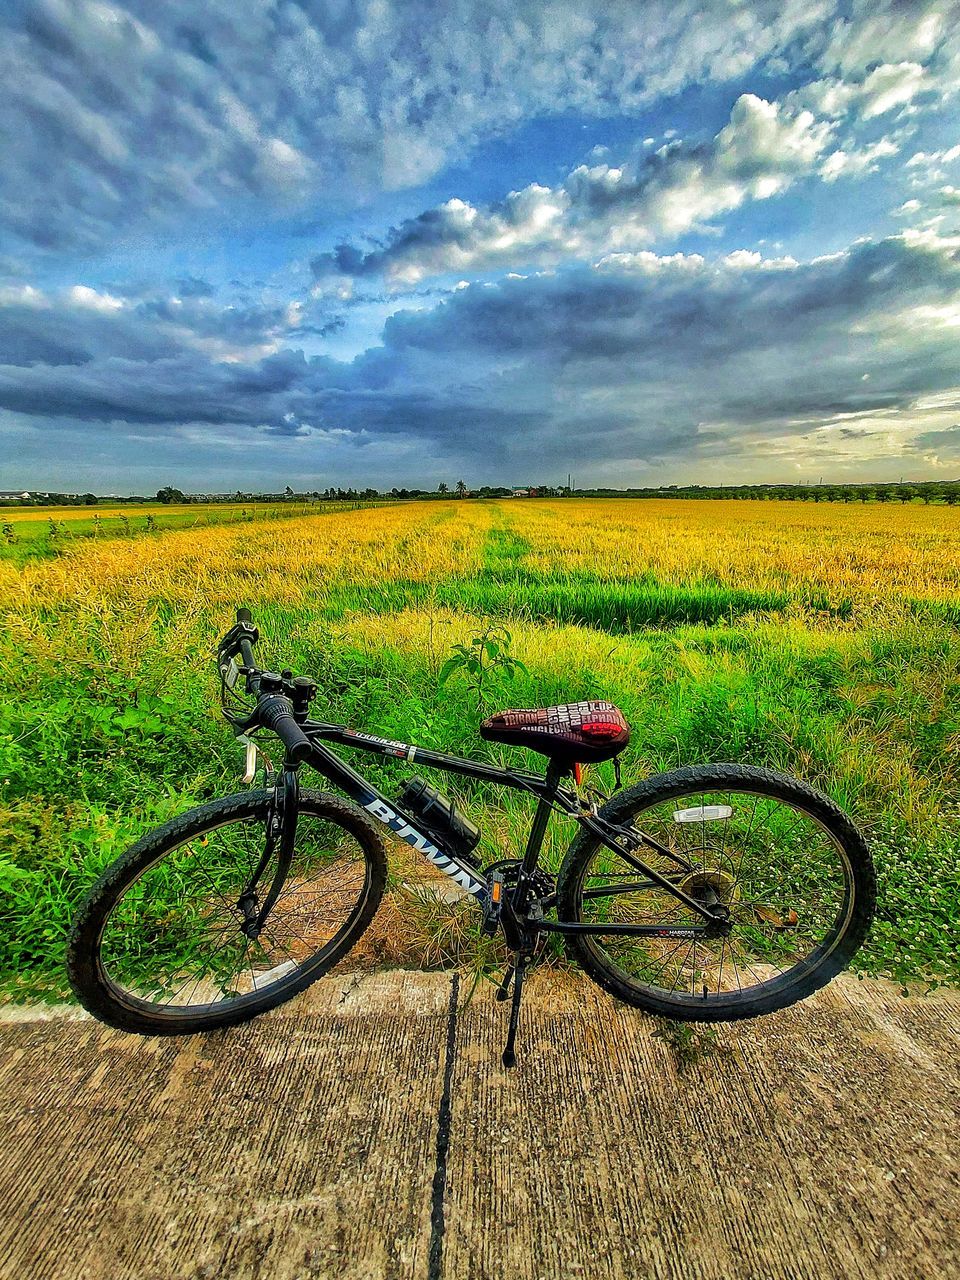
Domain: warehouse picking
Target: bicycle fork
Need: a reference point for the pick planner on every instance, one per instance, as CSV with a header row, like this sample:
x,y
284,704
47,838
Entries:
x,y
281,834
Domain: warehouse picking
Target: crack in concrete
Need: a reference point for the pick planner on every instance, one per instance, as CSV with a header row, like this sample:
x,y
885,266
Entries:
x,y
437,1222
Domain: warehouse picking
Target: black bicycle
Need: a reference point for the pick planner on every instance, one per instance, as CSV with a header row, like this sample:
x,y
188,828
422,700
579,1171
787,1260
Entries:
x,y
709,893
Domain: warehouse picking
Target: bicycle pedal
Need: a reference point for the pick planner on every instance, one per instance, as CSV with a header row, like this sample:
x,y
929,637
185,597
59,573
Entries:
x,y
493,905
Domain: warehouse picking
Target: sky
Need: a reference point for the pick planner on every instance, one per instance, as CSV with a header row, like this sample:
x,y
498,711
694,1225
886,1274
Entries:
x,y
393,243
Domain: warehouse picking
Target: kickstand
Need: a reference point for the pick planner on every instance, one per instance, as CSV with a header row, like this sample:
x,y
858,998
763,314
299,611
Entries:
x,y
519,969
504,988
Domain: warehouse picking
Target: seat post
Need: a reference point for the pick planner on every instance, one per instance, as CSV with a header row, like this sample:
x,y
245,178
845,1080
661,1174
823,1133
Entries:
x,y
555,772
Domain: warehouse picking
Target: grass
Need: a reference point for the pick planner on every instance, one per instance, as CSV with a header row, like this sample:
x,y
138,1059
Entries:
x,y
689,1042
31,533
816,639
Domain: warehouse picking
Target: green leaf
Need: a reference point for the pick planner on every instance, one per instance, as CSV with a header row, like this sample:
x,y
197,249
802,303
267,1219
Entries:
x,y
449,667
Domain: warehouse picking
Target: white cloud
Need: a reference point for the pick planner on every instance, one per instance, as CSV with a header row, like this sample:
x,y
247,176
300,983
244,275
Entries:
x,y
890,86
885,31
886,87
845,164
160,113
759,153
83,296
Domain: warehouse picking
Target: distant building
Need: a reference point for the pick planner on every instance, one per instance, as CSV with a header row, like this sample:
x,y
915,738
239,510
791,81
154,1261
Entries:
x,y
522,493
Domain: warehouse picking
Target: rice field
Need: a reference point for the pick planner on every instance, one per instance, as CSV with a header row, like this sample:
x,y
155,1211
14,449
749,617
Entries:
x,y
820,639
29,533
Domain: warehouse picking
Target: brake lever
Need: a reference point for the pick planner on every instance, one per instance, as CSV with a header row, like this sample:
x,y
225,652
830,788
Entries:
x,y
229,645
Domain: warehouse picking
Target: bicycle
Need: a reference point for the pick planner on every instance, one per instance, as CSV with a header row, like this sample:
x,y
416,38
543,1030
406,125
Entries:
x,y
710,893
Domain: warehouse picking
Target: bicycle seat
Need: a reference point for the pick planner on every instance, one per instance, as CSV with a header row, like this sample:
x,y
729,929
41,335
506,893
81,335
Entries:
x,y
579,732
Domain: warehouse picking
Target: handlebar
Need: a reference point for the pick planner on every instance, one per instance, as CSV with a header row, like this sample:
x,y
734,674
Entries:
x,y
274,710
275,713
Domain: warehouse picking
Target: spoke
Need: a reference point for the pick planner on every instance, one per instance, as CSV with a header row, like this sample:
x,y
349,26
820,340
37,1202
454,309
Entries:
x,y
676,828
723,947
177,929
665,961
746,838
206,873
693,968
297,935
287,952
187,979
691,947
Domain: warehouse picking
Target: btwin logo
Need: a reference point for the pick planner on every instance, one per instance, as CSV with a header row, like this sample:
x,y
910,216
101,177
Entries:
x,y
383,813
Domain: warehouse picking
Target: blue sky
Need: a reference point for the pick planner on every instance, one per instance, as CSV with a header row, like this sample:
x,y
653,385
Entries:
x,y
246,245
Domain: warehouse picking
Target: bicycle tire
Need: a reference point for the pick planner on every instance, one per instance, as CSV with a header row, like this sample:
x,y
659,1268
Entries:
x,y
786,988
101,996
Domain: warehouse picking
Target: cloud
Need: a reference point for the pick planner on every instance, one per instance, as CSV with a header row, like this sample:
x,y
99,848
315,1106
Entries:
x,y
161,113
884,89
945,443
872,33
845,164
79,325
760,152
192,287
637,361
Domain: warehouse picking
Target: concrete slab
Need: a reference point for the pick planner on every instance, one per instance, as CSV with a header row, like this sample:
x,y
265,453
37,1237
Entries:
x,y
300,1145
363,1132
821,1142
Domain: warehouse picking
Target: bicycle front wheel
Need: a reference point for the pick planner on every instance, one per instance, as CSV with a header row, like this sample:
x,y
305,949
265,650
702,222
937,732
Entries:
x,y
788,867
159,946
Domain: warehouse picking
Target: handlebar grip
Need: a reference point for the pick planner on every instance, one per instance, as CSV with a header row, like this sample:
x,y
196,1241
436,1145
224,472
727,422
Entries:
x,y
244,615
275,713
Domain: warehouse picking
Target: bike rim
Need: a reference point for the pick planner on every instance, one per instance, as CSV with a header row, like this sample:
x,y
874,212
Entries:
x,y
171,944
784,876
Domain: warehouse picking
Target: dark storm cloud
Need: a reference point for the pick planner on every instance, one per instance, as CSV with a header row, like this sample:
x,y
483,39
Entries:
x,y
946,442
641,358
192,287
81,324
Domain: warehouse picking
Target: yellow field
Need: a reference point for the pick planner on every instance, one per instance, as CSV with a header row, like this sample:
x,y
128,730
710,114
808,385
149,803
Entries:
x,y
878,556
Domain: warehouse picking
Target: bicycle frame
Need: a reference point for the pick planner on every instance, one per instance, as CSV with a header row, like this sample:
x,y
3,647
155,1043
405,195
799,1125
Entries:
x,y
547,788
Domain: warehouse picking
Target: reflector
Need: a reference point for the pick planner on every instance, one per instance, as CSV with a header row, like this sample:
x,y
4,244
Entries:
x,y
703,813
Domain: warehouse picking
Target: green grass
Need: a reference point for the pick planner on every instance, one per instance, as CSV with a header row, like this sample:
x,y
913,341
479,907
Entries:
x,y
98,759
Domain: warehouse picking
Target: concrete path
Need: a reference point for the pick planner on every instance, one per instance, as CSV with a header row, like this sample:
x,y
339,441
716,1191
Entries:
x,y
368,1131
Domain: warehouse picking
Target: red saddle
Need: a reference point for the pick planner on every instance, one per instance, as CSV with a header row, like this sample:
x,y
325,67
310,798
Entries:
x,y
580,732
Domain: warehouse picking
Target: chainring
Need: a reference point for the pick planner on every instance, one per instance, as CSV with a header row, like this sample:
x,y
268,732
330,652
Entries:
x,y
544,884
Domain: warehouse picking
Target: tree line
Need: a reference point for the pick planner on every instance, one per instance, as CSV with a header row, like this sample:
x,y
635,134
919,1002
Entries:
x,y
927,491
939,491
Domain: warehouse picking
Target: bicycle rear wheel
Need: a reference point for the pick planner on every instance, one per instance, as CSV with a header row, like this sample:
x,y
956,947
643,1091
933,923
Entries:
x,y
158,945
792,871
